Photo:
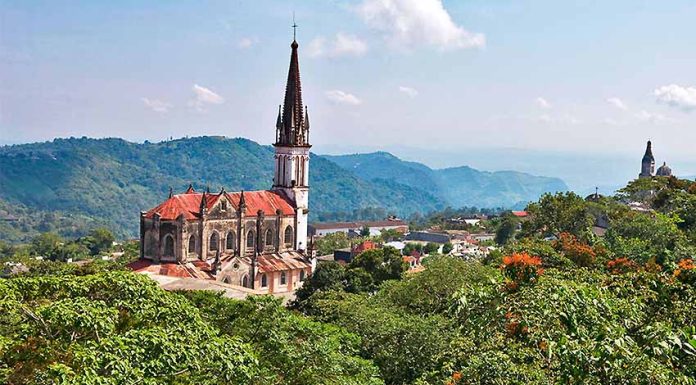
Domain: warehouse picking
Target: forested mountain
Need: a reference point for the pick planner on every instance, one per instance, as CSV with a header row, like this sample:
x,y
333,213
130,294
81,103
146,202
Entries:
x,y
67,184
457,186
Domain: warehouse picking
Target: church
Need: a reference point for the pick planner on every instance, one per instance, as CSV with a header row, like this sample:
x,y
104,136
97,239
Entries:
x,y
253,239
647,165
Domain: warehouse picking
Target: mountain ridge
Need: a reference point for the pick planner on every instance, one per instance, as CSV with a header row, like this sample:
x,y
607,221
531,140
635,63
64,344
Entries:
x,y
111,180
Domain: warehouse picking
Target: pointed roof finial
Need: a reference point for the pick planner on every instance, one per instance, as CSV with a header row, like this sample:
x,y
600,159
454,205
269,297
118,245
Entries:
x,y
171,191
242,202
190,189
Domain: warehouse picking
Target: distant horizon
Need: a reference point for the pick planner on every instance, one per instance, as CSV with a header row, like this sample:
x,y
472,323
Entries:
x,y
534,162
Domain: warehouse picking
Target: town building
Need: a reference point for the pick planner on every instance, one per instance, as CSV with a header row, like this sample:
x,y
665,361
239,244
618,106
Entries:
x,y
647,165
375,227
253,239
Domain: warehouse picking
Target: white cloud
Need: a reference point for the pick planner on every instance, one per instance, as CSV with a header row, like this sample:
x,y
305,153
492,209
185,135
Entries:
x,y
410,92
417,22
677,96
247,42
653,118
618,103
342,45
156,105
204,97
558,119
341,97
543,103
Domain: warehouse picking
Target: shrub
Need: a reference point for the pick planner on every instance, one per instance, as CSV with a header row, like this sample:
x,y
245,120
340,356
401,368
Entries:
x,y
686,271
580,253
622,265
521,268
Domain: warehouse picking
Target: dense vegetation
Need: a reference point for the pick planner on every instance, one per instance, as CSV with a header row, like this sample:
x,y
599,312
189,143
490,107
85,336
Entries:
x,y
556,304
456,186
72,185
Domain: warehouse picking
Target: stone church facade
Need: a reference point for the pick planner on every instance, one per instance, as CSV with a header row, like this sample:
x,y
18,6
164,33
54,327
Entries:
x,y
254,239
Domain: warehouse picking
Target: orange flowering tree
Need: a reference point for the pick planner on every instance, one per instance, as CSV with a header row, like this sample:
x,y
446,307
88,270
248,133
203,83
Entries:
x,y
622,265
521,268
686,271
580,253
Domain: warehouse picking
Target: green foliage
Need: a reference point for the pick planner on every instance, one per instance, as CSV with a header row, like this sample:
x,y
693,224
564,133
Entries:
x,y
644,236
431,248
326,244
107,181
381,264
506,229
291,349
447,248
560,213
111,328
410,247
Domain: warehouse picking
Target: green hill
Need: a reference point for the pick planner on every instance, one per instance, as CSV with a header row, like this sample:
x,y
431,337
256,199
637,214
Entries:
x,y
457,186
112,180
69,185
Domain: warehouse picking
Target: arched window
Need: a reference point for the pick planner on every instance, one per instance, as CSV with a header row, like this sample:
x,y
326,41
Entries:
x,y
288,235
168,245
283,278
250,239
192,244
245,281
264,280
214,241
269,237
229,242
302,275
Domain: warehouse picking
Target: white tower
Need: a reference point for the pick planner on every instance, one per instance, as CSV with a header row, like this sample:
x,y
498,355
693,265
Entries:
x,y
292,150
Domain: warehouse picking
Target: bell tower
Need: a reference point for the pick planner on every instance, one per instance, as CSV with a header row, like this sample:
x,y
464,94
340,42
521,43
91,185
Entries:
x,y
292,149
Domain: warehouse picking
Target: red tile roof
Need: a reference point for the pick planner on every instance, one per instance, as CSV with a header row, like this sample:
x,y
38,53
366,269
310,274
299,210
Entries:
x,y
290,260
189,204
520,214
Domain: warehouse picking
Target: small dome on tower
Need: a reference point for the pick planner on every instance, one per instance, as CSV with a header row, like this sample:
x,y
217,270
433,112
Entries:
x,y
664,170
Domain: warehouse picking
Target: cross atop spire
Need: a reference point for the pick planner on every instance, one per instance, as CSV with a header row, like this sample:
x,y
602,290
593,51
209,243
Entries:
x,y
294,27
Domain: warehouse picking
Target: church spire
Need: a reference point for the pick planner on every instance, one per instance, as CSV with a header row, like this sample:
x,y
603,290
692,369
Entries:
x,y
648,153
292,129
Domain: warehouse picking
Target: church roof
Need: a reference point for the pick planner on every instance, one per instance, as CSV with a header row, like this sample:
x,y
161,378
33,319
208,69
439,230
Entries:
x,y
664,170
189,205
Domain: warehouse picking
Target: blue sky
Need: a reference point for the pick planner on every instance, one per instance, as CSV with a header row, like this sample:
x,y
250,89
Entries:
x,y
564,76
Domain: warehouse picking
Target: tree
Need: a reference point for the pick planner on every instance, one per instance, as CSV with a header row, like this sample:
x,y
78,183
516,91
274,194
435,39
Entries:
x,y
561,212
98,240
382,264
112,328
365,231
329,276
431,248
447,248
410,247
46,244
328,243
506,229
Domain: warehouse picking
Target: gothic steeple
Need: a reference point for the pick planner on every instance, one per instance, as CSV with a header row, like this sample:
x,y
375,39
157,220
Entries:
x,y
291,127
647,164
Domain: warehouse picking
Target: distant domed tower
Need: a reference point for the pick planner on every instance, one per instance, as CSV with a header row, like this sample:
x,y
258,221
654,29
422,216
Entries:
x,y
664,170
647,165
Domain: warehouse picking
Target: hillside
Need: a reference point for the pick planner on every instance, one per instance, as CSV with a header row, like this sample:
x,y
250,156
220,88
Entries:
x,y
112,180
67,185
457,186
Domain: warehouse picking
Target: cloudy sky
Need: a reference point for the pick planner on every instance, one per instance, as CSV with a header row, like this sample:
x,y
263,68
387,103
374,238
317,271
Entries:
x,y
600,76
